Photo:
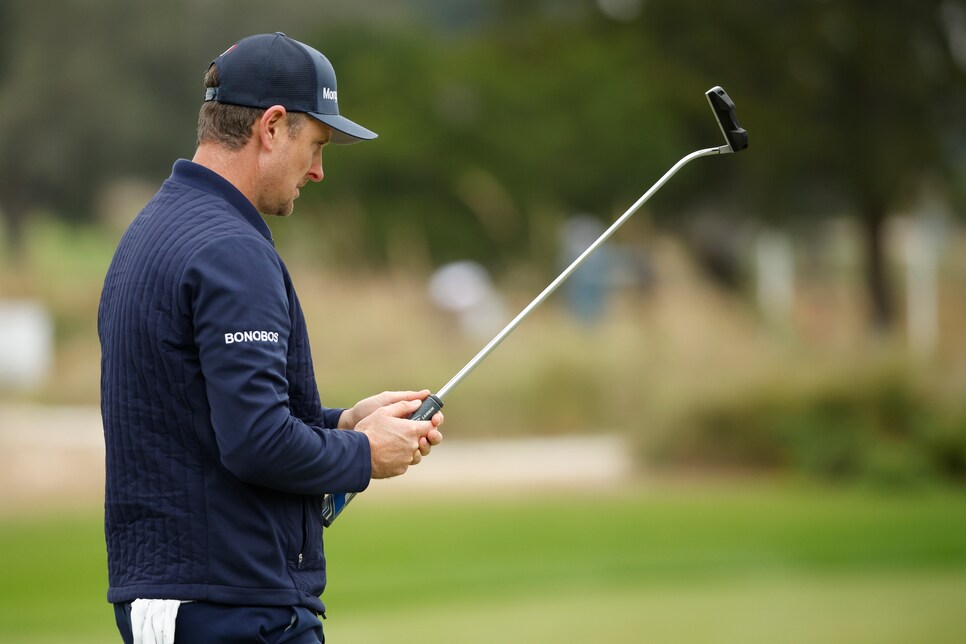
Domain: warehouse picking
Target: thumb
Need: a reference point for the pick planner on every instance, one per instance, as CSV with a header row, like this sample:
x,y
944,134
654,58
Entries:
x,y
402,409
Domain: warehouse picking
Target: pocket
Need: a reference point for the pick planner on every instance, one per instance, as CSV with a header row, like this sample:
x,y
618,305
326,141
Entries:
x,y
310,554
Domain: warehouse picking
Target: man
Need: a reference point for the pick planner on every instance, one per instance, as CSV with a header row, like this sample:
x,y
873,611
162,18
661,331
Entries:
x,y
218,448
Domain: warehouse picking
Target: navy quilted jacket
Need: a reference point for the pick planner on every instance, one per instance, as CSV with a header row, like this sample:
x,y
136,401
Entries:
x,y
218,448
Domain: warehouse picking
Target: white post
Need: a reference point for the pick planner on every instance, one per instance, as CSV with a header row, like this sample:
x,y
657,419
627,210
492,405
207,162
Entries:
x,y
775,272
922,291
26,344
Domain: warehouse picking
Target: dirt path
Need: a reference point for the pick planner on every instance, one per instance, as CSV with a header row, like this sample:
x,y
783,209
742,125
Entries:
x,y
54,458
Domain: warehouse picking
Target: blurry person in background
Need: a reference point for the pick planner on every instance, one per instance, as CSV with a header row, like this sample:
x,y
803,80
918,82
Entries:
x,y
218,447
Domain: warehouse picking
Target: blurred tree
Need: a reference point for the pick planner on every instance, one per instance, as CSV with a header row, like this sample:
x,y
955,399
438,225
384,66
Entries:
x,y
489,140
852,105
102,89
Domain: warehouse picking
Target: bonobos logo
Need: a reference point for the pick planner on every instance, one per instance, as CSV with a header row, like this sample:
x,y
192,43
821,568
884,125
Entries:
x,y
251,336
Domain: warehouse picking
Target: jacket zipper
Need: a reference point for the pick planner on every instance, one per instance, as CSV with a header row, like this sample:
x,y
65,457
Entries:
x,y
305,534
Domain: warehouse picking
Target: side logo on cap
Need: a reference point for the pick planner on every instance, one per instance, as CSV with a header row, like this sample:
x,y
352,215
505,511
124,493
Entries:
x,y
330,94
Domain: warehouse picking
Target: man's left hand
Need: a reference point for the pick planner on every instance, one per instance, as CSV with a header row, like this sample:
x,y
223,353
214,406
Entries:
x,y
351,417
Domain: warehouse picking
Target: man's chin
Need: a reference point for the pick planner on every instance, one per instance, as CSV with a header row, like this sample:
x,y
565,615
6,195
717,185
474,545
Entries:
x,y
282,211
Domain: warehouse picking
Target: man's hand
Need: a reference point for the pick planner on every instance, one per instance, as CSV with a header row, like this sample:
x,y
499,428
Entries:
x,y
351,417
395,441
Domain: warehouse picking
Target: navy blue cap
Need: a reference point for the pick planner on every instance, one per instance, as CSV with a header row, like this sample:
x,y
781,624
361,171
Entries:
x,y
272,69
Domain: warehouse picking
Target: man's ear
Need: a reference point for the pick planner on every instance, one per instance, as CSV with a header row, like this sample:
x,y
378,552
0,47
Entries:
x,y
269,127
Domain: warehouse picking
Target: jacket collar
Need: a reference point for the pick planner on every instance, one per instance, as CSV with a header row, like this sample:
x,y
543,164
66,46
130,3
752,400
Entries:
x,y
199,177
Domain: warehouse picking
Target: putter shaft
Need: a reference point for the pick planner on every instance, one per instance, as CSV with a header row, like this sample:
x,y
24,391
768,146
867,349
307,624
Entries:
x,y
537,301
335,503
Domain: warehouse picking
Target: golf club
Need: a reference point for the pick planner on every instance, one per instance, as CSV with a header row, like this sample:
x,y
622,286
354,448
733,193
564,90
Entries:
x,y
737,140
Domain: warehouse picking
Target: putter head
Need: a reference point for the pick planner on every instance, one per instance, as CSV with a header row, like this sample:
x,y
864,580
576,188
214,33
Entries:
x,y
724,111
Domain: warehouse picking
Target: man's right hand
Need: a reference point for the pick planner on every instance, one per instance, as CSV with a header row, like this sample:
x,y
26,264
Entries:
x,y
395,441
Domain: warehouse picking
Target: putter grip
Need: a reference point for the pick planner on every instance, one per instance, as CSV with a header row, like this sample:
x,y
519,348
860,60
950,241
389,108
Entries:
x,y
334,504
428,409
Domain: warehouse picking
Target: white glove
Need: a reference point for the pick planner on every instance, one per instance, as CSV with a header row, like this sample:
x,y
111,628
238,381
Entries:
x,y
152,620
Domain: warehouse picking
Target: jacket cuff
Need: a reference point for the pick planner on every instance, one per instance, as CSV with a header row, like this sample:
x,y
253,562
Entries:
x,y
366,464
330,417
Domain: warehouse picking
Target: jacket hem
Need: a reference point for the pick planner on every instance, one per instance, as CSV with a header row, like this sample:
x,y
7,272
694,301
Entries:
x,y
216,594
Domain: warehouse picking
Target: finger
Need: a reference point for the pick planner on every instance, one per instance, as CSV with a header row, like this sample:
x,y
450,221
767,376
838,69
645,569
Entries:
x,y
437,419
390,397
170,615
400,409
417,457
424,428
434,437
424,446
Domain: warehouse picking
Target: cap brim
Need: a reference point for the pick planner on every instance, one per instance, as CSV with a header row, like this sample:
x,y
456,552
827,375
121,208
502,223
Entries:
x,y
344,131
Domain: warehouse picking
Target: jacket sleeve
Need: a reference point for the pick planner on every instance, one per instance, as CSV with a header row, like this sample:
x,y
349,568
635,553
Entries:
x,y
240,314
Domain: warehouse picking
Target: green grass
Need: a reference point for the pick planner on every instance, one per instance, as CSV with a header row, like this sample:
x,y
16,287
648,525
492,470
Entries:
x,y
861,608
53,580
708,563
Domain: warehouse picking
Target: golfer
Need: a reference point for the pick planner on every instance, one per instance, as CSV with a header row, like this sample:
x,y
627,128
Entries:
x,y
218,448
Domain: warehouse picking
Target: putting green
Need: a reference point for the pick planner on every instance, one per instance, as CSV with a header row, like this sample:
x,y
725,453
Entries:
x,y
703,563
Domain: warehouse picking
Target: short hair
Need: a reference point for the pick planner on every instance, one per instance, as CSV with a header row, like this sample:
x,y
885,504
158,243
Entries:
x,y
231,125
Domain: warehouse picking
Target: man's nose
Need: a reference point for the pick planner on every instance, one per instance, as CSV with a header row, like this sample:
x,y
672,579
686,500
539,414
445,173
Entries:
x,y
315,172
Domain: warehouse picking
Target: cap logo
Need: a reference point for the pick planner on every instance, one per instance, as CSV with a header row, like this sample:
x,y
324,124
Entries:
x,y
330,94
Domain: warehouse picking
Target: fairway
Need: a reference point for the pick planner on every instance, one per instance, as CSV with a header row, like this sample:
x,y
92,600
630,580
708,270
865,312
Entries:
x,y
854,609
702,563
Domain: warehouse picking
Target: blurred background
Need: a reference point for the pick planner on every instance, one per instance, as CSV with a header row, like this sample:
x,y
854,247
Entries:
x,y
743,420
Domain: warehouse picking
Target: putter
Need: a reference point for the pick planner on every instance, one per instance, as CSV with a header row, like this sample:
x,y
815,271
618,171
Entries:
x,y
737,140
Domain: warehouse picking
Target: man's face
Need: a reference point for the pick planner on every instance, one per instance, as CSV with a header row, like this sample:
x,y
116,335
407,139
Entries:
x,y
296,160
